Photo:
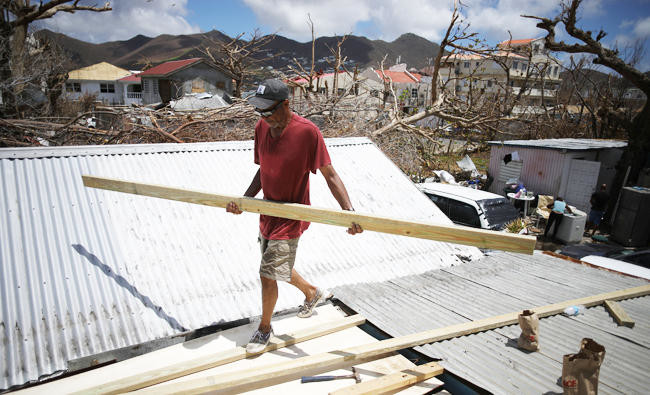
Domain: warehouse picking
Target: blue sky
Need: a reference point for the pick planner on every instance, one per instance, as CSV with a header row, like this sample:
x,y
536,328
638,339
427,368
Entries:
x,y
626,21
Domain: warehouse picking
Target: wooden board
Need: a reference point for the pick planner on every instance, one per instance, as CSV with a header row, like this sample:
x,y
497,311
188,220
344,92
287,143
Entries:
x,y
249,379
143,379
220,348
394,381
447,233
618,313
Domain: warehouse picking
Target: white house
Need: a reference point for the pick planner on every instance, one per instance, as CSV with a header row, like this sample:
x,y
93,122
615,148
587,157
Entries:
x,y
101,79
413,90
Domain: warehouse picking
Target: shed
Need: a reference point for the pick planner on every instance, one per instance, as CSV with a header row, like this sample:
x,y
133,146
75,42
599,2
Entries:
x,y
570,168
171,80
86,272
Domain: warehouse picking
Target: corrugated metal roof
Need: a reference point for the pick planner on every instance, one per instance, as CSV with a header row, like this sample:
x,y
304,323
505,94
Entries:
x,y
84,271
564,144
502,283
167,68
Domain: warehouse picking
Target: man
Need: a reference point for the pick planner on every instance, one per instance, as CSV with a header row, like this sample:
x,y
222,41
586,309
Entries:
x,y
598,202
287,148
558,208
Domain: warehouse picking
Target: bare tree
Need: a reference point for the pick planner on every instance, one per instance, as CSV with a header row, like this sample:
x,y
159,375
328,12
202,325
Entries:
x,y
15,19
635,155
239,56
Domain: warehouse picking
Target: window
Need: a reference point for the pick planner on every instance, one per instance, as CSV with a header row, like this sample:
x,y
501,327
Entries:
x,y
146,85
512,83
414,93
524,65
464,214
73,87
489,83
198,86
477,63
107,88
441,202
555,70
155,87
536,48
466,65
515,65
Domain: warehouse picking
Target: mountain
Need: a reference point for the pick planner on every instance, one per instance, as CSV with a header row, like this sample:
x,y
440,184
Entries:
x,y
133,53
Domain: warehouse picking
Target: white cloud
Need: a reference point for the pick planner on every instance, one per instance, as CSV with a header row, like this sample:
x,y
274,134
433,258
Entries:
x,y
591,8
642,28
289,18
391,18
128,18
428,19
496,18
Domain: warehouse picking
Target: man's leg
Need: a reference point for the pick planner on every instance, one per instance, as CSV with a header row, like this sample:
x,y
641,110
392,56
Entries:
x,y
549,223
299,282
269,298
558,221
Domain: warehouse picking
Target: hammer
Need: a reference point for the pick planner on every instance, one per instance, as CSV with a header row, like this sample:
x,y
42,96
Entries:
x,y
313,379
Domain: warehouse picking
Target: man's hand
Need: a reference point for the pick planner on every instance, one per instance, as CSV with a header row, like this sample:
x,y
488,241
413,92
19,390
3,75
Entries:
x,y
355,228
232,207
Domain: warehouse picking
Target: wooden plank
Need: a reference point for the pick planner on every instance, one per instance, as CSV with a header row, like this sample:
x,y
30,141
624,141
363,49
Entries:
x,y
394,381
447,233
141,379
249,379
619,314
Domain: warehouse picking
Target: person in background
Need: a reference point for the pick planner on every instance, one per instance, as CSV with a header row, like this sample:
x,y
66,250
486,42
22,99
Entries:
x,y
558,208
598,202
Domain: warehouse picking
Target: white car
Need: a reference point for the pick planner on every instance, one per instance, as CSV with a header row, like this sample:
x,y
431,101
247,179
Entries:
x,y
470,207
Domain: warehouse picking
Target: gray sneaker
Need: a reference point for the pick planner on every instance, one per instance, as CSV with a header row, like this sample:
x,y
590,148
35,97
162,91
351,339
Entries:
x,y
307,309
259,341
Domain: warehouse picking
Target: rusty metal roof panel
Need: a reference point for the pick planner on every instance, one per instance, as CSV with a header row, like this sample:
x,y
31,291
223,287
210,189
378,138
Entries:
x,y
85,271
502,283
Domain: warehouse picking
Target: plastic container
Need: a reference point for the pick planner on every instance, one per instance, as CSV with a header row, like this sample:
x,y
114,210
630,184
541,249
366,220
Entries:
x,y
574,310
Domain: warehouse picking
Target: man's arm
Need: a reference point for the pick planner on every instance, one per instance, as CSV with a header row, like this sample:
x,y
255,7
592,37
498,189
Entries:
x,y
253,189
339,192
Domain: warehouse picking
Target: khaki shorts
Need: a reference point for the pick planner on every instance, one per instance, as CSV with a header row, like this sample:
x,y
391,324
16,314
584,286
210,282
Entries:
x,y
278,257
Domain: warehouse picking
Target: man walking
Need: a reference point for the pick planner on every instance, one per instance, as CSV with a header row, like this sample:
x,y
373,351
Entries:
x,y
287,148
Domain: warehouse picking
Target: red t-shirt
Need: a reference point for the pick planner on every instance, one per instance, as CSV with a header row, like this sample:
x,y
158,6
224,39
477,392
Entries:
x,y
285,163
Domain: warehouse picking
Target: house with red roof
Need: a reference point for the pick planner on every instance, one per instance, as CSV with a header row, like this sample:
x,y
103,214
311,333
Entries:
x,y
174,79
412,90
131,89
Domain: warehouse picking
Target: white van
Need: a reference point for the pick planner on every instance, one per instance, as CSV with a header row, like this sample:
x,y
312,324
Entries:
x,y
470,207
